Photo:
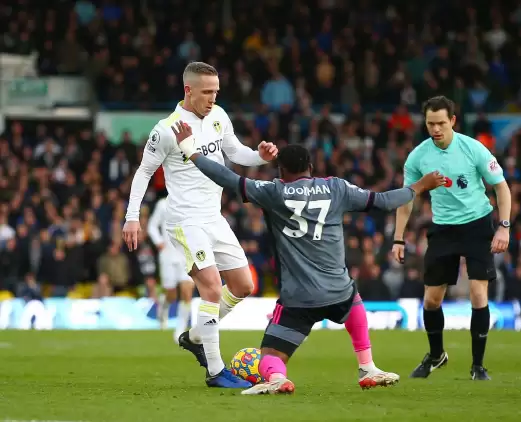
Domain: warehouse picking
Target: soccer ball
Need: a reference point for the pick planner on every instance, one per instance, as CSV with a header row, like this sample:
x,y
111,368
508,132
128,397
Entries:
x,y
245,364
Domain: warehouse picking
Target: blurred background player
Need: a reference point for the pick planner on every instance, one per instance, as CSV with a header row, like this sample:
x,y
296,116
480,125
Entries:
x,y
462,227
309,246
172,272
194,221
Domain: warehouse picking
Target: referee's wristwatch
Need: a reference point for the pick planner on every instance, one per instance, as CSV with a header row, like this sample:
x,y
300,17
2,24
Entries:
x,y
505,224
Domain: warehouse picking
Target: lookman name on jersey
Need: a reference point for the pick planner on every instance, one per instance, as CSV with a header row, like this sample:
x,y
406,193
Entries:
x,y
306,191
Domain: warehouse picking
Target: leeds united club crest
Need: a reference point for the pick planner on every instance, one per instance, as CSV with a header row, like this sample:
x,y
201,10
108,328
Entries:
x,y
217,127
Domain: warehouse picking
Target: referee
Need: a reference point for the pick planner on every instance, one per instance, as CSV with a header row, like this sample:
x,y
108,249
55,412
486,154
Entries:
x,y
462,227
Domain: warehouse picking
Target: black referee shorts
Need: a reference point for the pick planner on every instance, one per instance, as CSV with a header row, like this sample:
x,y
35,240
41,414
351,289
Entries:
x,y
289,327
448,243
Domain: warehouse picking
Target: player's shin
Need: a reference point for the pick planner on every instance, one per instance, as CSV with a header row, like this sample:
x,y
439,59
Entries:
x,y
208,329
183,314
184,307
238,285
479,326
228,302
358,328
272,368
434,322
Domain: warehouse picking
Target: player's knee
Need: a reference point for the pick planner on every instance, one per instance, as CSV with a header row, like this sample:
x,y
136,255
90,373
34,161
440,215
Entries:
x,y
171,295
239,281
479,293
243,290
433,297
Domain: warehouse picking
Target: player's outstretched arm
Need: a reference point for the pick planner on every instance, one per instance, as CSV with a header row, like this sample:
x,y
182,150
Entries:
x,y
156,149
363,200
239,153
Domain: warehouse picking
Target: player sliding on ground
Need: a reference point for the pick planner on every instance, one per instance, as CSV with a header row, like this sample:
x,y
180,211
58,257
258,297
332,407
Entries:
x,y
305,218
195,226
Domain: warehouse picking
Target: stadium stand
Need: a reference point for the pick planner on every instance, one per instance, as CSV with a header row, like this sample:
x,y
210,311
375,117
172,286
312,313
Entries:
x,y
343,78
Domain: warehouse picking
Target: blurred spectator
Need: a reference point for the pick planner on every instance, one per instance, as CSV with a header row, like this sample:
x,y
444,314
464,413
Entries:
x,y
345,81
113,271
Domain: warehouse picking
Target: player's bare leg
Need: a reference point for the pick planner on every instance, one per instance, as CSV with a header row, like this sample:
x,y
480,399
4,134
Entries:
x,y
238,285
479,326
434,322
208,353
186,291
369,376
272,368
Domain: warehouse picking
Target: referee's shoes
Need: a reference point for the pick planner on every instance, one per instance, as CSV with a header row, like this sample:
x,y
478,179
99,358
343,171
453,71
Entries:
x,y
429,364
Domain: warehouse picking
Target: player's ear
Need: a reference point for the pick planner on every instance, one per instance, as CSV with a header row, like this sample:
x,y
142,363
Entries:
x,y
453,120
188,90
310,168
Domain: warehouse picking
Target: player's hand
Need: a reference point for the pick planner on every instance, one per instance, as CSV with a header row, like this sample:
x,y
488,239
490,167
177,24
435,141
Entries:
x,y
131,232
500,241
268,151
182,131
399,253
429,182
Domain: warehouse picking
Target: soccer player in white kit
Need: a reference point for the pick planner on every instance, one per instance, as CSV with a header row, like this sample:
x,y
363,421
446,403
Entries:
x,y
172,272
194,222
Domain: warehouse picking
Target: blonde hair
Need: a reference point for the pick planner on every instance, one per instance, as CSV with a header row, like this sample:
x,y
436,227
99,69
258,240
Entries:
x,y
198,69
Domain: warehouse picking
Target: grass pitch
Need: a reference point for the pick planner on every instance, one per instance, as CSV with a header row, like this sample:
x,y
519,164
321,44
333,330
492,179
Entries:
x,y
102,376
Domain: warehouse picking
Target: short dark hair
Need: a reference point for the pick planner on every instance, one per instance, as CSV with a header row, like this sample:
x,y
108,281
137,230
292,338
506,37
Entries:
x,y
199,68
294,158
438,103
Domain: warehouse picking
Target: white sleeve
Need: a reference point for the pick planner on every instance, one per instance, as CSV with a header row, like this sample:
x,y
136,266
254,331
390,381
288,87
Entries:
x,y
155,223
236,151
158,147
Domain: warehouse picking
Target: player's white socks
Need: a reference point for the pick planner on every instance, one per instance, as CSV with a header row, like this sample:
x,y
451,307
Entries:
x,y
208,330
369,367
183,314
228,302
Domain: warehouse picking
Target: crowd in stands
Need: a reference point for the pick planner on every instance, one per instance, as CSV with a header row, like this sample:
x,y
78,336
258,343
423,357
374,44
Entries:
x,y
344,79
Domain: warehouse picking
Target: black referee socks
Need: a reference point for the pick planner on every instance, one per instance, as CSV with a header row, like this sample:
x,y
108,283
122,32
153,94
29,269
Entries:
x,y
434,322
479,325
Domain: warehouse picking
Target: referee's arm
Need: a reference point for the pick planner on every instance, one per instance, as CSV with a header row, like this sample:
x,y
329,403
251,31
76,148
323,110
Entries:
x,y
504,200
492,172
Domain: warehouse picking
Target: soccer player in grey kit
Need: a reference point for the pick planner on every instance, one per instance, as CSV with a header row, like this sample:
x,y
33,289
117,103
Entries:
x,y
304,216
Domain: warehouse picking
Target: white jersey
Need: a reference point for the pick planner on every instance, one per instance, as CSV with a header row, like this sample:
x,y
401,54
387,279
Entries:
x,y
157,225
192,197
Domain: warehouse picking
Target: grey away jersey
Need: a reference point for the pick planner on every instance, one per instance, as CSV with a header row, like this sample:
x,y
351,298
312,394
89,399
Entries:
x,y
305,221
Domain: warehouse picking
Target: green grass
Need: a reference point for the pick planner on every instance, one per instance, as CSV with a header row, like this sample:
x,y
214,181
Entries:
x,y
141,376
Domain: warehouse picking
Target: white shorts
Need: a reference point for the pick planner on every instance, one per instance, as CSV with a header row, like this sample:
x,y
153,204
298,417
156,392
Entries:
x,y
209,244
172,269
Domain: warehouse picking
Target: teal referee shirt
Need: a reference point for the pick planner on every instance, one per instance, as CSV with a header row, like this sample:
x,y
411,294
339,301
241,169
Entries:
x,y
465,163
